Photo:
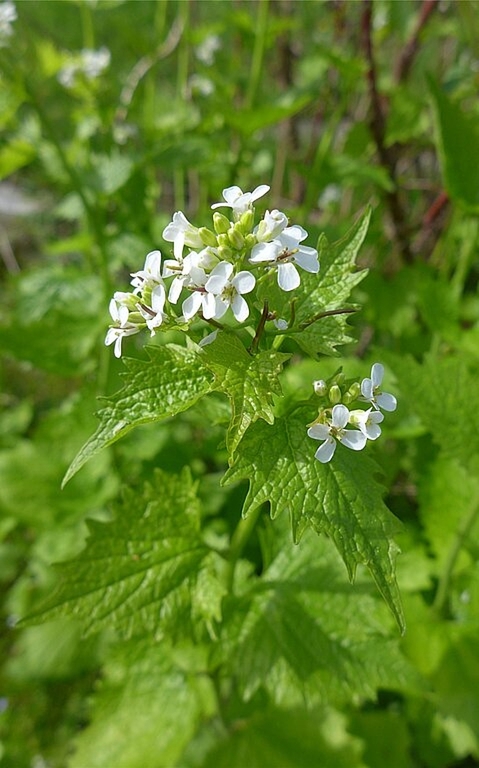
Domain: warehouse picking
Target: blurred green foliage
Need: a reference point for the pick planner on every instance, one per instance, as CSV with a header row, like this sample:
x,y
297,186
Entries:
x,y
337,105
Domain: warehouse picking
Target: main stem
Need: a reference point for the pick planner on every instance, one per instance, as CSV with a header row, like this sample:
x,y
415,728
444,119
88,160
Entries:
x,y
467,522
240,537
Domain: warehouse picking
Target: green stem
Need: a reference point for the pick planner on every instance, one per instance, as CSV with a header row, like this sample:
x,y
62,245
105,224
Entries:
x,y
463,531
240,537
256,71
260,329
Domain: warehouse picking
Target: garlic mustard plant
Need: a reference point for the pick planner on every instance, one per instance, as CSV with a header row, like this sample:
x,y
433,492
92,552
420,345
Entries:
x,y
223,278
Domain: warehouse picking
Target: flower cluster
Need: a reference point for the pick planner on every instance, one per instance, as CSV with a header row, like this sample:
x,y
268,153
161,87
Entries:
x,y
212,269
89,63
336,423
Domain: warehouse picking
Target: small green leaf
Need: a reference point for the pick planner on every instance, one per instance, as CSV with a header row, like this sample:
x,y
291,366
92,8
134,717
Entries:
x,y
320,295
171,381
248,380
136,573
340,499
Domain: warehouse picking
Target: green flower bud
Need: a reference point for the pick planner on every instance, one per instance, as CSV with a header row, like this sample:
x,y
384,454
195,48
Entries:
x,y
223,240
334,394
250,241
220,223
236,238
225,253
354,390
246,222
208,237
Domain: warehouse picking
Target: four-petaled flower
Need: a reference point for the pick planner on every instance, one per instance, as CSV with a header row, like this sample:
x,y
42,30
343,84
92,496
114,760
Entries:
x,y
371,392
334,431
120,314
228,292
240,201
284,252
367,421
271,226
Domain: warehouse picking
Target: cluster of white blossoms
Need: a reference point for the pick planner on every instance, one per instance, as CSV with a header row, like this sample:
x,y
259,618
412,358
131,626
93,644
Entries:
x,y
353,428
89,63
212,270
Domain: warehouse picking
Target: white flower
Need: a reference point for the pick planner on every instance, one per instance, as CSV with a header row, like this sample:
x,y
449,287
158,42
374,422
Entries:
x,y
371,392
150,274
228,293
206,50
273,223
284,252
115,334
94,62
153,313
367,421
181,225
185,268
334,431
241,201
8,14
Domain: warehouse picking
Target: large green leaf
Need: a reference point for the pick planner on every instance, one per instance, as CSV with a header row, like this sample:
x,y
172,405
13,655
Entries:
x,y
443,392
145,711
248,380
341,499
136,573
286,738
306,636
171,381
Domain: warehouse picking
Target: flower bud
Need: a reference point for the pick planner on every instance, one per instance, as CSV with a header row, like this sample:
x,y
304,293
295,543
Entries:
x,y
235,238
334,394
271,226
354,390
220,223
223,240
320,387
250,241
246,222
208,237
225,253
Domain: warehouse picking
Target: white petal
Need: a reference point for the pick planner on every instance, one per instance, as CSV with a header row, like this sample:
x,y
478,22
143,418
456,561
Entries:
x,y
232,194
244,282
288,277
307,258
117,349
377,373
325,451
319,431
191,305
208,339
264,252
371,430
158,298
367,389
240,308
354,439
386,401
259,192
296,233
220,308
340,416
175,289
178,245
111,336
153,264
209,306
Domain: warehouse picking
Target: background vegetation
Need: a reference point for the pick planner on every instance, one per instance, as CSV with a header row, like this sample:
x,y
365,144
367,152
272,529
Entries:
x,y
336,105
